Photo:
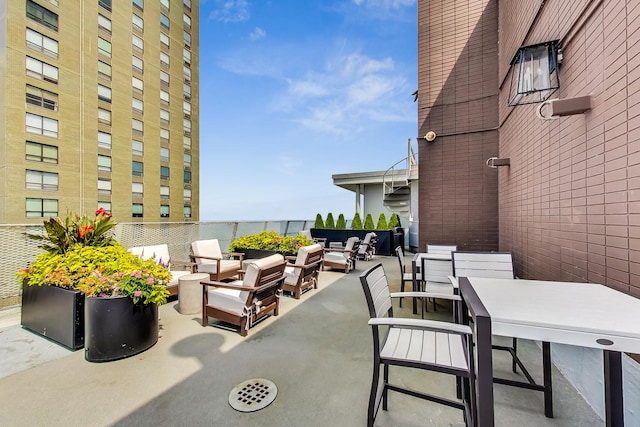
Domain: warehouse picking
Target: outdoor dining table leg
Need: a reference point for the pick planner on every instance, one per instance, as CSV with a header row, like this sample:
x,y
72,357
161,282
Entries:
x,y
613,388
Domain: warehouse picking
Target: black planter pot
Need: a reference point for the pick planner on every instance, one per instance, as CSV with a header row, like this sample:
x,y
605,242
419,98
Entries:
x,y
386,242
116,328
255,253
55,313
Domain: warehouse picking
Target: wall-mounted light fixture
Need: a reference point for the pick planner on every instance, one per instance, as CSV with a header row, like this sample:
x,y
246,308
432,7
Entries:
x,y
494,162
534,73
430,136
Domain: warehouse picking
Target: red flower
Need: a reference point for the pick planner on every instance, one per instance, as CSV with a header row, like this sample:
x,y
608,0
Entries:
x,y
104,212
84,230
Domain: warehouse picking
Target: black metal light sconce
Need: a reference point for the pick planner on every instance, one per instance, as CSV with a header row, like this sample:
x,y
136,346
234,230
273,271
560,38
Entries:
x,y
534,74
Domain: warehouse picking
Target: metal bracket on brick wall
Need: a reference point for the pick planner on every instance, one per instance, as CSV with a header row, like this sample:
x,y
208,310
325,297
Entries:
x,y
494,162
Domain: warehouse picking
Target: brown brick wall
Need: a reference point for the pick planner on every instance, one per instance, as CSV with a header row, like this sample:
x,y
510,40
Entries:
x,y
570,201
458,88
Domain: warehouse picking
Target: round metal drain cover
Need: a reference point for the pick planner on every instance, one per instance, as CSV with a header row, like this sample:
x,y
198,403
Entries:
x,y
253,395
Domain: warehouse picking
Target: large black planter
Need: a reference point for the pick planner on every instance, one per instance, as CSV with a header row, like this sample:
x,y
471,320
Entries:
x,y
259,253
386,243
55,313
116,328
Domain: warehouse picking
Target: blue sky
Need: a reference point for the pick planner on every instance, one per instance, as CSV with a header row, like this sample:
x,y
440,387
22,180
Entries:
x,y
293,91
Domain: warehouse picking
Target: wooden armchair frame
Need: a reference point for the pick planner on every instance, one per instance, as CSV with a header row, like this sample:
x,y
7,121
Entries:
x,y
309,272
263,298
222,272
350,255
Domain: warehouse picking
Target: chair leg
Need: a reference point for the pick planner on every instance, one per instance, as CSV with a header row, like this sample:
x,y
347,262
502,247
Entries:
x,y
371,412
515,352
401,290
385,391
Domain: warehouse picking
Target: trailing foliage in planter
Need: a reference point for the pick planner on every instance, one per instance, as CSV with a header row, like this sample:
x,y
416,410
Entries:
x,y
81,256
368,222
382,222
330,223
272,241
356,223
319,222
394,221
341,224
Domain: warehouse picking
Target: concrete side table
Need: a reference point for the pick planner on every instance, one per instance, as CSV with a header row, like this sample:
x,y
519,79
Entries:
x,y
190,293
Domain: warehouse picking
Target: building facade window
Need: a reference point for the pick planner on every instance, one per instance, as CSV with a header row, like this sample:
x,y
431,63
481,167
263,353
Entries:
x,y
164,173
186,37
42,153
138,23
164,4
104,47
104,24
164,40
41,125
187,194
186,142
139,4
39,180
107,5
164,135
104,116
164,117
137,64
164,154
186,56
164,59
164,21
137,189
187,160
104,70
137,126
187,74
104,140
186,108
104,187
104,93
164,192
187,211
137,105
41,208
164,78
164,97
187,177
186,125
105,205
137,43
137,168
42,43
41,70
137,210
186,90
164,211
41,98
137,148
186,19
187,4
137,84
104,163
42,15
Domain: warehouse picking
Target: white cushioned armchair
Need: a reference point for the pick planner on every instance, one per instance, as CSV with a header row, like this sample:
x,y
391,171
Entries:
x,y
160,254
302,274
210,259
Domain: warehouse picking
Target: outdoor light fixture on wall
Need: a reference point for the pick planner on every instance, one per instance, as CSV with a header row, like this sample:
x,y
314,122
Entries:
x,y
430,136
534,73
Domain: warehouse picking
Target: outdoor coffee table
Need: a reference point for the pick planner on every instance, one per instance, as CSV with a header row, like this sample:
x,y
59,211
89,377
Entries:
x,y
580,314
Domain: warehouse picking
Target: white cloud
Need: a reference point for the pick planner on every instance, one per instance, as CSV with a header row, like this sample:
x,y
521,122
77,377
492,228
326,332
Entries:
x,y
349,92
230,11
385,4
257,34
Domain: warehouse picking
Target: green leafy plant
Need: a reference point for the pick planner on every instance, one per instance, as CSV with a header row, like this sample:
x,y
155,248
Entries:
x,y
61,234
382,222
330,222
356,223
394,221
319,222
271,241
368,222
80,255
341,224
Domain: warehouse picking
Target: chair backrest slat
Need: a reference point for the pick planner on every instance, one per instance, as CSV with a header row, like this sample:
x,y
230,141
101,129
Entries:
x,y
376,290
437,270
441,249
495,265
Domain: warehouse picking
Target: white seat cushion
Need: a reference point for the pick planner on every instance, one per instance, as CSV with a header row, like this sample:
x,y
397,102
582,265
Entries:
x,y
226,265
335,257
228,299
175,275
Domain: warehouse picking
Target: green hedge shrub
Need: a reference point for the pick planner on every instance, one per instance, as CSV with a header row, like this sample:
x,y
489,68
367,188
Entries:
x,y
341,224
356,223
382,222
319,222
330,223
368,222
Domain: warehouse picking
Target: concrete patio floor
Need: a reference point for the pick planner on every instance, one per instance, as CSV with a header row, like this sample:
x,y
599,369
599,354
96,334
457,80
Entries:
x,y
317,352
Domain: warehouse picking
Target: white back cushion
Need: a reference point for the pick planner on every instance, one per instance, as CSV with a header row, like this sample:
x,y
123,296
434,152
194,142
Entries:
x,y
210,248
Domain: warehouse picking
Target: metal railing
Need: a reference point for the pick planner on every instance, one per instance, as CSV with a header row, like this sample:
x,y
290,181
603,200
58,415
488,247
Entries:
x,y
396,174
17,251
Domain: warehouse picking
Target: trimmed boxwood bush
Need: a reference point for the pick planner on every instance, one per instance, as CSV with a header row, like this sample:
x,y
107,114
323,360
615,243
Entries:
x,y
341,224
382,222
368,222
394,221
330,223
356,224
319,222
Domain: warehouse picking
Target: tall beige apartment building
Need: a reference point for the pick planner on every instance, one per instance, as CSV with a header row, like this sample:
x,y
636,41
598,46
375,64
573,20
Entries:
x,y
99,108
